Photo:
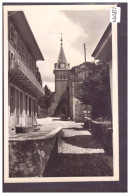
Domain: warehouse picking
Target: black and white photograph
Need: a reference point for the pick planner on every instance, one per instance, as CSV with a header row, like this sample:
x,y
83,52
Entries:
x,y
61,93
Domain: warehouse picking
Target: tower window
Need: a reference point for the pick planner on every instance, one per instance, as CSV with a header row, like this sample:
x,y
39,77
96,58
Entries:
x,y
62,65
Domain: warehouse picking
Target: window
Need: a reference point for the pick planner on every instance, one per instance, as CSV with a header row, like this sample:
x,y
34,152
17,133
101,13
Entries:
x,y
26,54
23,50
29,59
17,106
62,65
21,103
15,38
11,33
17,102
64,76
30,110
18,43
61,76
20,46
34,108
26,104
11,54
11,59
12,100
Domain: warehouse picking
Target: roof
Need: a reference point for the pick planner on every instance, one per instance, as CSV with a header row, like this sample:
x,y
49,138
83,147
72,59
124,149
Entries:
x,y
20,22
102,40
62,57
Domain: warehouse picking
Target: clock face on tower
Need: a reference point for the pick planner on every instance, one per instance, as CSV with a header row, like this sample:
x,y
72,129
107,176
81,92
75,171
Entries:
x,y
62,65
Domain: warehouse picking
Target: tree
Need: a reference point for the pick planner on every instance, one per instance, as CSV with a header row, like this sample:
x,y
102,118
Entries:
x,y
47,99
95,90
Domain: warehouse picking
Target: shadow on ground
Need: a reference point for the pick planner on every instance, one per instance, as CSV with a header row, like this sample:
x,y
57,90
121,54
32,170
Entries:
x,y
85,141
69,164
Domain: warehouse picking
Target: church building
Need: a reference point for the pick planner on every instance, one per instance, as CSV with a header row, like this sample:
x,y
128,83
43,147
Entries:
x,y
67,81
61,72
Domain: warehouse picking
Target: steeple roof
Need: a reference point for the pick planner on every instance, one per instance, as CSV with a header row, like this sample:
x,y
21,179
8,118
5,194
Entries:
x,y
62,58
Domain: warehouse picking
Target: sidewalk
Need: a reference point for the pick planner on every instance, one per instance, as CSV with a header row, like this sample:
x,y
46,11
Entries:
x,y
48,128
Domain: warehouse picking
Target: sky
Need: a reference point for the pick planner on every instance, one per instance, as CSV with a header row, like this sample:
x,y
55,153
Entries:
x,y
78,26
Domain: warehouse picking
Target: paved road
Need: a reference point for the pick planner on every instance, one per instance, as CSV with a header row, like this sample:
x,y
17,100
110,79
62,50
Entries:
x,y
79,154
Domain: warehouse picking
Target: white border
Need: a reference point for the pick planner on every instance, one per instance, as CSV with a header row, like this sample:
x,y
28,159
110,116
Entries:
x,y
115,103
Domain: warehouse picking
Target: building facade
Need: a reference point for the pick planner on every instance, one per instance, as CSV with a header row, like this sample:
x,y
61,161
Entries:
x,y
103,52
24,78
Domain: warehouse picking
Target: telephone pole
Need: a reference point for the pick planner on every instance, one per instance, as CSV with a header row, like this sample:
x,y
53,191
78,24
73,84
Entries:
x,y
85,57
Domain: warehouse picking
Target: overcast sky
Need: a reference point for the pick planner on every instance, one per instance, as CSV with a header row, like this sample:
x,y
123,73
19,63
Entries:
x,y
77,27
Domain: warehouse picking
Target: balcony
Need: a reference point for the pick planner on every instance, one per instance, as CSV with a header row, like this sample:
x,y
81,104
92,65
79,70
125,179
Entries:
x,y
20,73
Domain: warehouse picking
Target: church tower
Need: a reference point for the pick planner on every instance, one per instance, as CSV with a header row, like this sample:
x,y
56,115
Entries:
x,y
61,71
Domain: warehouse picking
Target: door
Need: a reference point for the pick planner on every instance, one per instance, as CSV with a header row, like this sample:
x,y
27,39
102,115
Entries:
x,y
63,113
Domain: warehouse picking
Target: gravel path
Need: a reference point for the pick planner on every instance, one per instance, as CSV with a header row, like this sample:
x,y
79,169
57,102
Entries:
x,y
79,154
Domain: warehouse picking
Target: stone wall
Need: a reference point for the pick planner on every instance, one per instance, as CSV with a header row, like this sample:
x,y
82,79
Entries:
x,y
103,131
29,158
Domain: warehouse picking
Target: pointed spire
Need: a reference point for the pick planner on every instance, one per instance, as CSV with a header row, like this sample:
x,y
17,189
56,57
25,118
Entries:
x,y
62,62
62,58
61,39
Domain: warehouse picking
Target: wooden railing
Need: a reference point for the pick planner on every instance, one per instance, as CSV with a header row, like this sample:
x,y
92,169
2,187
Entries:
x,y
17,63
14,63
